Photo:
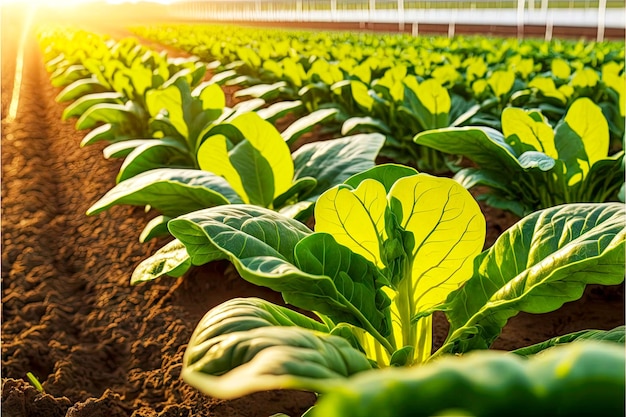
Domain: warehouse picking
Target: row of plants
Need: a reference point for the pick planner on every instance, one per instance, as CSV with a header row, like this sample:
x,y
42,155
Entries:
x,y
401,85
390,247
182,148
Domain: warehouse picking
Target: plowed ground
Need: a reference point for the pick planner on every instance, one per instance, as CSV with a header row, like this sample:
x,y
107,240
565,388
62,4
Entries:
x,y
99,346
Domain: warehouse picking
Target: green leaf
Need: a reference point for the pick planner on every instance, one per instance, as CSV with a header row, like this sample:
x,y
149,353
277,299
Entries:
x,y
361,94
78,107
170,100
525,133
536,266
171,259
333,161
271,250
582,378
283,349
485,146
80,88
582,139
615,335
106,132
115,114
171,191
261,164
501,82
123,148
156,227
307,123
280,109
257,176
264,91
242,232
386,174
533,159
363,124
353,275
442,231
155,153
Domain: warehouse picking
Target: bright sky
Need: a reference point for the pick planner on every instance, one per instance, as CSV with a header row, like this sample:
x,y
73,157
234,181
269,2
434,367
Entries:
x,y
70,3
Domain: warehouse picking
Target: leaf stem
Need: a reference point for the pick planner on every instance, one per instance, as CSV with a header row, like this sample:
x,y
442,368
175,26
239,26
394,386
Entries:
x,y
367,326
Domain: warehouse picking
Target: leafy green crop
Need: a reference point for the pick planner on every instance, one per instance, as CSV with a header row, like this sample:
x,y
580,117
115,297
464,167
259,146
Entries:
x,y
531,166
245,160
584,378
391,246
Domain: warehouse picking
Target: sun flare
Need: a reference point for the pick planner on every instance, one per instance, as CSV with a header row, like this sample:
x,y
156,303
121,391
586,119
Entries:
x,y
74,3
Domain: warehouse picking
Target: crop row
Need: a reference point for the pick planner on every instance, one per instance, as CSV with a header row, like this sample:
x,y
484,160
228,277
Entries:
x,y
402,85
391,246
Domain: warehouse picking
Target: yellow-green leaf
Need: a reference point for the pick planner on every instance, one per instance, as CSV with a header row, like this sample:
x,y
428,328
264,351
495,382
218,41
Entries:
x,y
434,97
264,137
213,157
585,78
560,69
448,229
213,97
547,88
588,122
501,82
529,131
355,218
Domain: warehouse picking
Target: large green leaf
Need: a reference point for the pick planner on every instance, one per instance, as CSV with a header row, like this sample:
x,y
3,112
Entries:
x,y
582,378
241,232
259,167
171,191
272,250
485,146
354,277
525,133
155,153
333,161
536,266
249,345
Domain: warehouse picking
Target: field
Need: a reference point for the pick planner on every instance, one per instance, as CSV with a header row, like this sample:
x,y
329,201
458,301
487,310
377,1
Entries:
x,y
103,347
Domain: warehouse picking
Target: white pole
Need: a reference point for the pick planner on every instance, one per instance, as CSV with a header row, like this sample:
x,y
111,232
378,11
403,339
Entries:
x,y
601,20
401,15
372,9
544,6
520,18
451,29
333,10
415,29
549,27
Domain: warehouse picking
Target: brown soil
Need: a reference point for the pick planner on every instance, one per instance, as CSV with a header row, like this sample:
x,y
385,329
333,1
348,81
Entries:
x,y
99,346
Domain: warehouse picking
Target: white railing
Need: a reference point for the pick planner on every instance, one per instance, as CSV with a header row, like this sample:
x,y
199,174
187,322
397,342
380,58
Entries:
x,y
518,13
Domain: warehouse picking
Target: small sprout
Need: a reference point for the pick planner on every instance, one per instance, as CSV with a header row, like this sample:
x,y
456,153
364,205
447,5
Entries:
x,y
33,380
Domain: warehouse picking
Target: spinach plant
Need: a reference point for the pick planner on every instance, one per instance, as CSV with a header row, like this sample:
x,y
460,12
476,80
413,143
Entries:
x,y
583,378
529,165
246,160
390,247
